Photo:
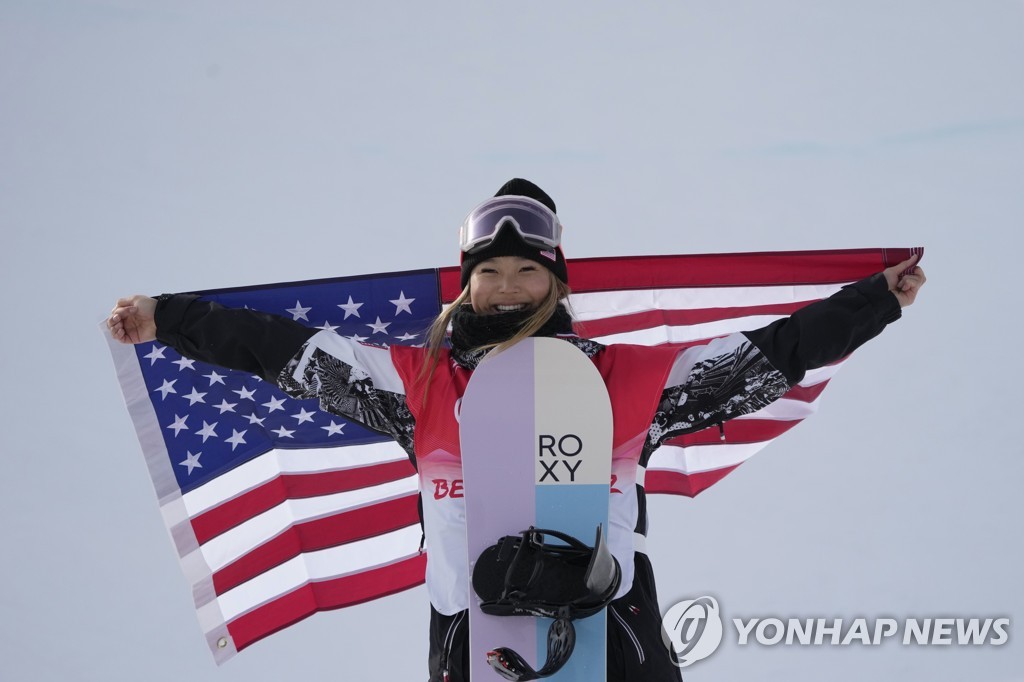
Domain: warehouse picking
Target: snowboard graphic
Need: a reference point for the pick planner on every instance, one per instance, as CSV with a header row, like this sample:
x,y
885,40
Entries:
x,y
536,438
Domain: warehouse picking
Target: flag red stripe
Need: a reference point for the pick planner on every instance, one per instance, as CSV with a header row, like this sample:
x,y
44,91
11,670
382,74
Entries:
x,y
715,269
649,319
308,536
324,595
730,269
226,516
676,483
807,394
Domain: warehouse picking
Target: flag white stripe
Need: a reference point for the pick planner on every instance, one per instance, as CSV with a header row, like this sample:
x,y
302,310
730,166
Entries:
x,y
784,409
602,304
214,626
813,377
243,538
695,332
697,458
319,565
272,464
143,415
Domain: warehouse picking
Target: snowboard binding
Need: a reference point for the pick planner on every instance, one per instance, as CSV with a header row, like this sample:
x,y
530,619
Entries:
x,y
529,575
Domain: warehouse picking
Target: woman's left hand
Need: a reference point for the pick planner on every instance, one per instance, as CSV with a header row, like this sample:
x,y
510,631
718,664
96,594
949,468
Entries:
x,y
905,286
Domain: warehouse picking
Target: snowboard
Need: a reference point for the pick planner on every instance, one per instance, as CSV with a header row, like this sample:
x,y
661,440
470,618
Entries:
x,y
536,437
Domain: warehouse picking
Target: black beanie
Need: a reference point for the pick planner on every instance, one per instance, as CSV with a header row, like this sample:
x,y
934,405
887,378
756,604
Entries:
x,y
508,241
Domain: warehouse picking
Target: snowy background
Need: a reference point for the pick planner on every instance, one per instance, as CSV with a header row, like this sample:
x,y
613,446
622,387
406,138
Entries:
x,y
150,147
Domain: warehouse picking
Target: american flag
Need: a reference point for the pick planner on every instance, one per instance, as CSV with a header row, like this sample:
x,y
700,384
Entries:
x,y
278,509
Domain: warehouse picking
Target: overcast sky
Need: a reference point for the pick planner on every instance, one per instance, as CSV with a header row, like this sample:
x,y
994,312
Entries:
x,y
150,147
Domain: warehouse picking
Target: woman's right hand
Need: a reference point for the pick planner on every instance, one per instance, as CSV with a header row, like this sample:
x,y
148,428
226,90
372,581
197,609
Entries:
x,y
133,319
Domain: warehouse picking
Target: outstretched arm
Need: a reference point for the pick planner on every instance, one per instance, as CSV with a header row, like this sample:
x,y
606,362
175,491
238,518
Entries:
x,y
348,379
742,373
240,339
831,329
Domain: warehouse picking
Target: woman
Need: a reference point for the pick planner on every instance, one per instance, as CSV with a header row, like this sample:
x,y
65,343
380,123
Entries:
x,y
515,282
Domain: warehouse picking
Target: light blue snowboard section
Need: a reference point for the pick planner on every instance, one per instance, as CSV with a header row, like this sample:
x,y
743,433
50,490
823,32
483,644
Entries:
x,y
560,507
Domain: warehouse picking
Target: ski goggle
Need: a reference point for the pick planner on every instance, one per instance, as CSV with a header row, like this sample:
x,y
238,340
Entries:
x,y
536,224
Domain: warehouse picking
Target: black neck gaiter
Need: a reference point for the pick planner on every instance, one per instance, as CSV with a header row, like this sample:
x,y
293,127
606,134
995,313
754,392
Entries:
x,y
471,331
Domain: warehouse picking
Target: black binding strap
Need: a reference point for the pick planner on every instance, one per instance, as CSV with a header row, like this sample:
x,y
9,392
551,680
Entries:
x,y
531,575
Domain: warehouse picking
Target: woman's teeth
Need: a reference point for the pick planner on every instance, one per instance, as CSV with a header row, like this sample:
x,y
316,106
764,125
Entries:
x,y
510,308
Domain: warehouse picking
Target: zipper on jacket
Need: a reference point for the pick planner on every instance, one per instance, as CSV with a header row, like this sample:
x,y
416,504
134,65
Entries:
x,y
721,430
629,632
449,642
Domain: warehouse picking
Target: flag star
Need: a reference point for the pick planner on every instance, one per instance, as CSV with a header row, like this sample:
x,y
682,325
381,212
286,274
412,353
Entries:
x,y
379,327
274,404
236,439
334,429
178,425
327,327
350,308
304,416
156,354
358,339
195,397
168,387
402,303
406,337
225,406
253,419
283,433
207,431
192,462
245,393
182,363
215,378
298,312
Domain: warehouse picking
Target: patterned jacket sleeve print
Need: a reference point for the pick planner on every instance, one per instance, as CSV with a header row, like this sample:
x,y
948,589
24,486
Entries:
x,y
709,384
354,381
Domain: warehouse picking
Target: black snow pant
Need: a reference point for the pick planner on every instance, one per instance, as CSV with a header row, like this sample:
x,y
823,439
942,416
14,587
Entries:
x,y
636,650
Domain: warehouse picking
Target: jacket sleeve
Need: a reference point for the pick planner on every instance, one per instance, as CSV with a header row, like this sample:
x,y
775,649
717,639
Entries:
x,y
236,338
741,373
828,330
